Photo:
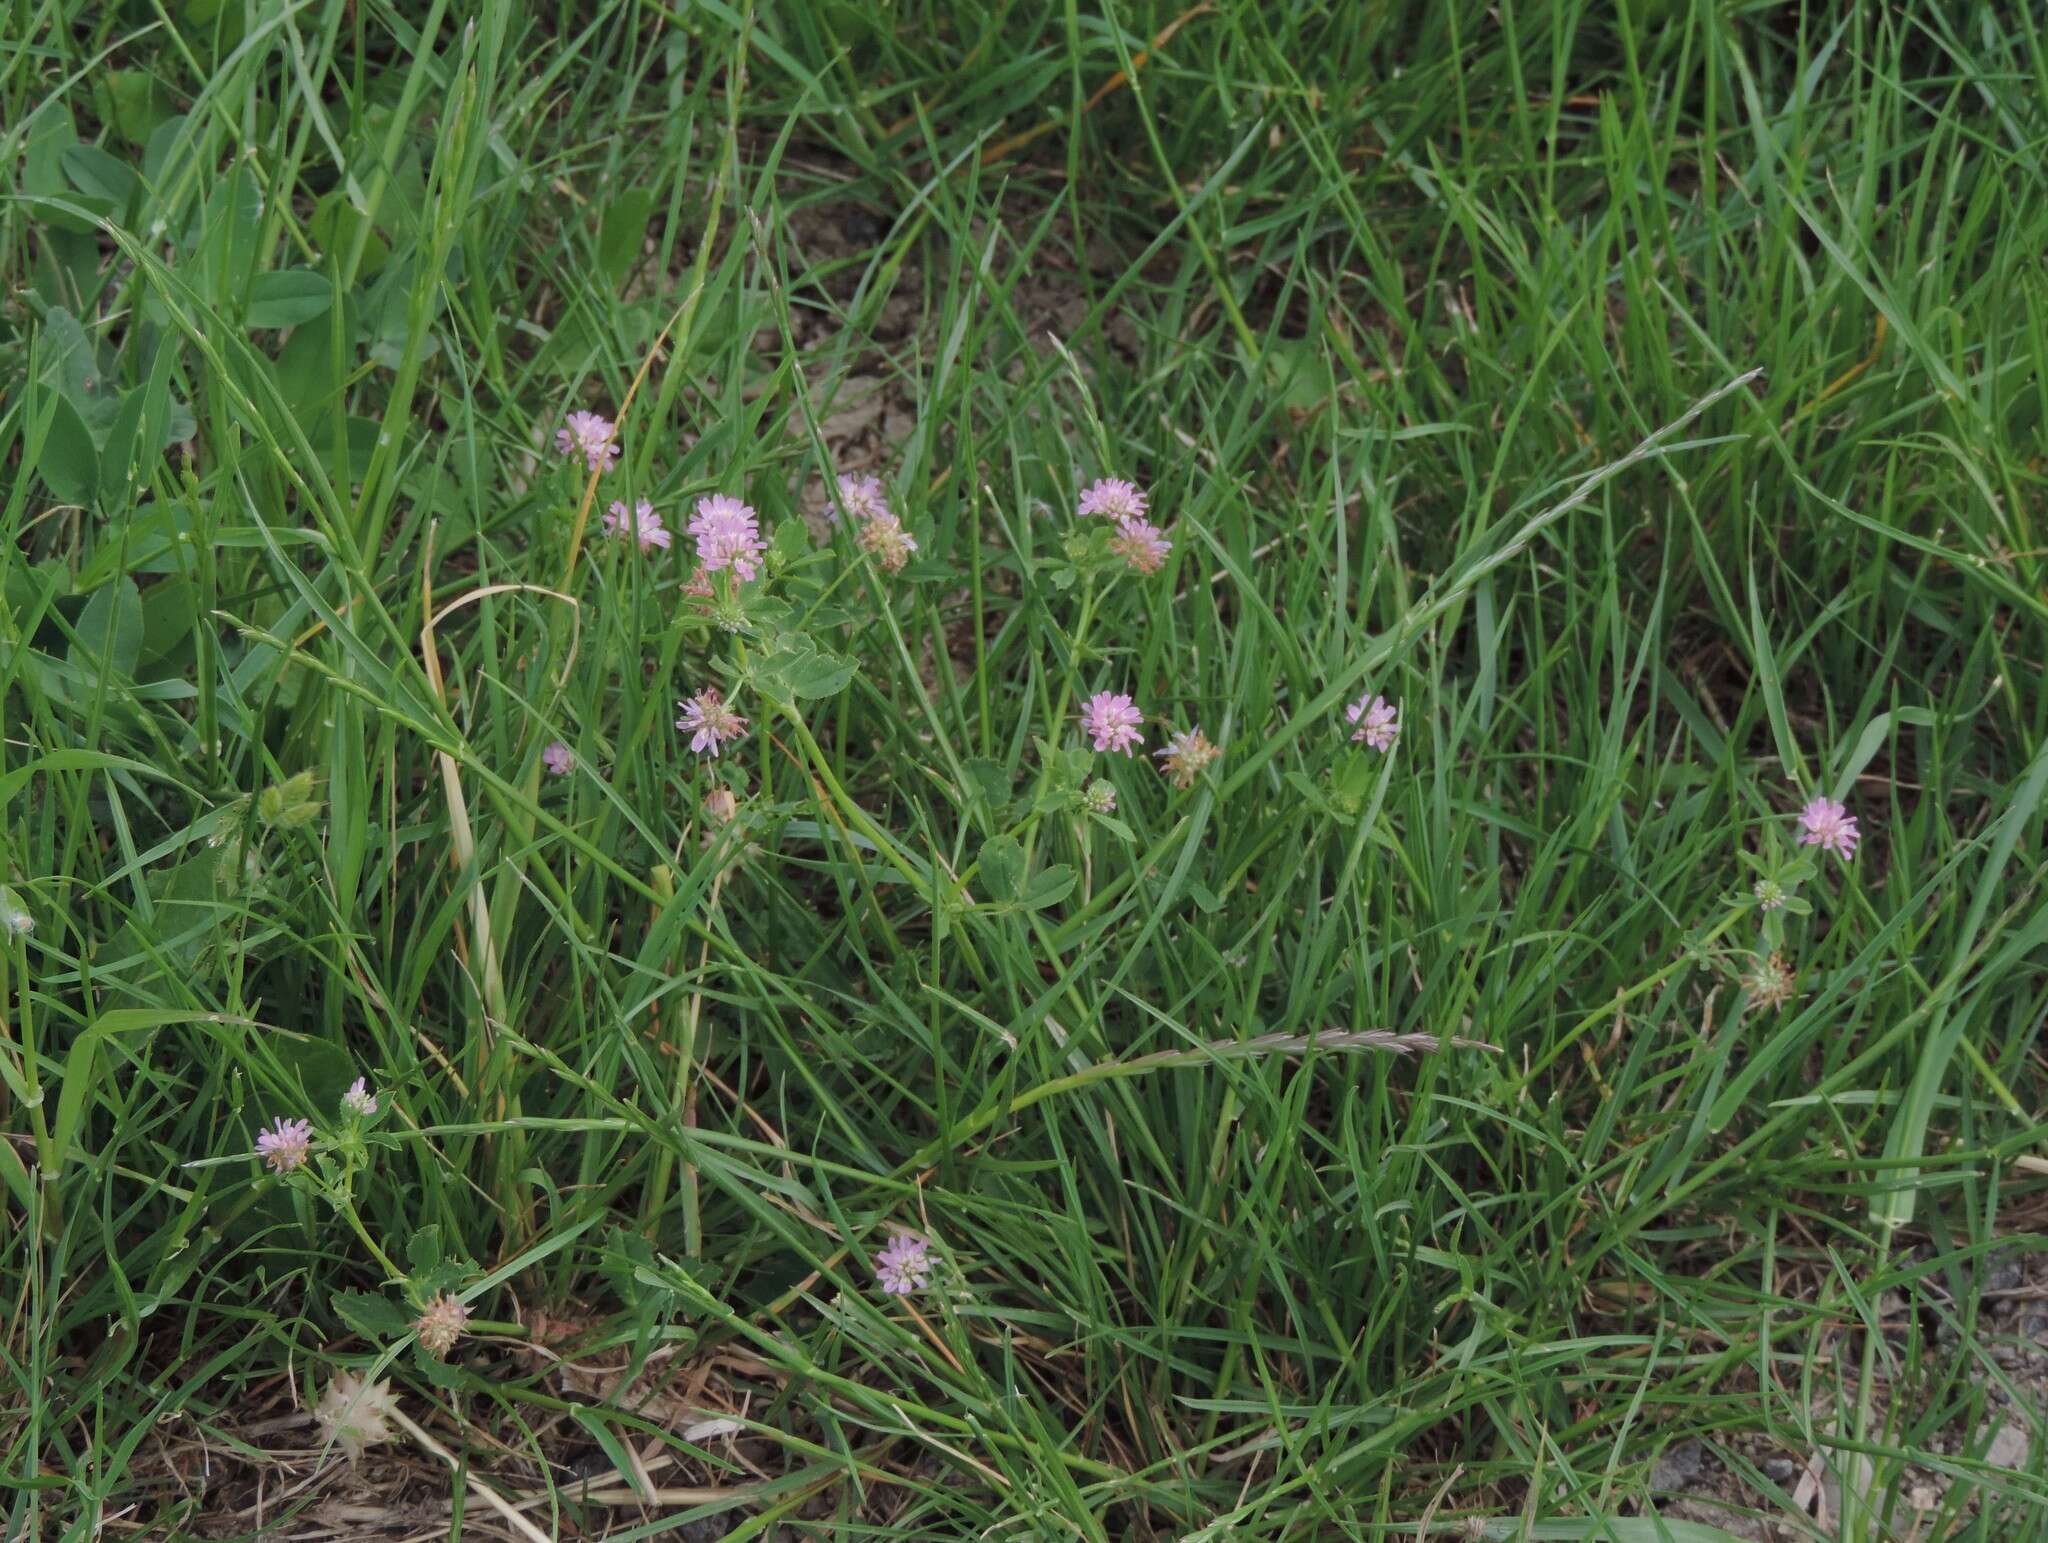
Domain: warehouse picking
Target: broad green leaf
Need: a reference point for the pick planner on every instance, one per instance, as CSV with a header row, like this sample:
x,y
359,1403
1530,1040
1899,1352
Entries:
x,y
67,461
288,297
371,1314
110,629
1049,886
99,175
334,226
1002,868
323,1070
168,155
227,255
819,674
987,782
67,360
170,610
792,539
623,234
137,102
424,1253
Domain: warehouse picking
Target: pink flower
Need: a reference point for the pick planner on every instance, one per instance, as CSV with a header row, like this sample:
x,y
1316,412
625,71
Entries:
x,y
728,535
1141,544
559,759
1828,825
892,545
1376,719
1113,496
904,1266
1112,720
440,1325
592,437
863,497
709,722
286,1147
642,521
359,1099
1187,754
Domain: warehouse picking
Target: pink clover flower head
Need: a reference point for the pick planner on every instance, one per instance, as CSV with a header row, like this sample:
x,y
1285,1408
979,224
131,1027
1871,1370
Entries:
x,y
359,1099
287,1145
1114,497
559,759
1100,798
1187,755
863,498
1826,824
892,545
595,439
728,535
440,1325
904,1266
640,521
1377,720
709,721
1112,720
1141,544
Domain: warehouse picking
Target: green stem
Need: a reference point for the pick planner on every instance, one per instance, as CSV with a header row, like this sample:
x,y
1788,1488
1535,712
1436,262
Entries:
x,y
855,815
348,1209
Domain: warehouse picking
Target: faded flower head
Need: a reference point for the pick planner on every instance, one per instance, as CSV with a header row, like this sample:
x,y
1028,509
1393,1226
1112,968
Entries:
x,y
721,806
1376,720
1771,982
559,759
1112,720
892,545
592,437
1770,894
1826,824
440,1325
863,497
709,721
359,1099
1114,497
1100,798
355,1414
1187,755
904,1266
1141,544
286,1146
728,535
640,522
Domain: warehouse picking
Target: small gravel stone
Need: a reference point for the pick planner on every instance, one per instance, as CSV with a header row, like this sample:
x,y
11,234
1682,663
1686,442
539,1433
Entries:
x,y
2010,1448
1677,1466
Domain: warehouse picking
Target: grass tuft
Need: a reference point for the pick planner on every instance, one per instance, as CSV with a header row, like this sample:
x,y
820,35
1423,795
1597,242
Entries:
x,y
1499,1126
